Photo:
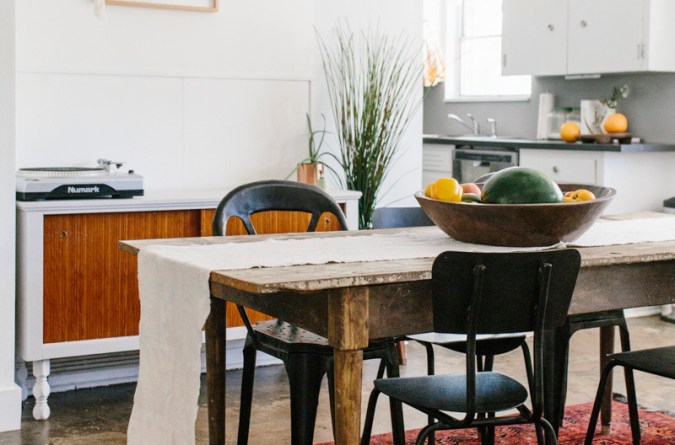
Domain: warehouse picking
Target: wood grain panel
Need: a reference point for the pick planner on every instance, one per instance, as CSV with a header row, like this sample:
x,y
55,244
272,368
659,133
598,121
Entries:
x,y
90,286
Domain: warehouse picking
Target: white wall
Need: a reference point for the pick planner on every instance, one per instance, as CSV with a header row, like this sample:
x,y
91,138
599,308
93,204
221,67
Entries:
x,y
393,17
10,394
188,99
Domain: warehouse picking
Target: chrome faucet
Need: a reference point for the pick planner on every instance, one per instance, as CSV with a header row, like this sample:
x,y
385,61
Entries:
x,y
474,122
493,126
475,127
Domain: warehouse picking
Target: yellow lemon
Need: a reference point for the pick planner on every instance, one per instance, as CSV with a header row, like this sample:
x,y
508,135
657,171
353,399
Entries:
x,y
615,123
448,189
570,131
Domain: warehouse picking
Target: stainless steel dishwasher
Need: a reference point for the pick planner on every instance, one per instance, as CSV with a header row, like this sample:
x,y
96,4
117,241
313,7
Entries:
x,y
470,163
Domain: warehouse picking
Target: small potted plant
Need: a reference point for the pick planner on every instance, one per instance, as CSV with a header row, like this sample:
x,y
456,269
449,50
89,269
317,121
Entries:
x,y
310,169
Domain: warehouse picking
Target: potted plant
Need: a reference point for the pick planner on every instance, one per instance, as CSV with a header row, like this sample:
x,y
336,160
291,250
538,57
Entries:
x,y
311,169
375,87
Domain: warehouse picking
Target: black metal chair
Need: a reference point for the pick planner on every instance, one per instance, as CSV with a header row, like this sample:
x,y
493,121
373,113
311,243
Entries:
x,y
491,293
306,356
657,361
487,345
579,322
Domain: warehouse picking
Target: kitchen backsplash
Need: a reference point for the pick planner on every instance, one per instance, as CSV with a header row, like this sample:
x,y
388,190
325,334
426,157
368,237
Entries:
x,y
648,108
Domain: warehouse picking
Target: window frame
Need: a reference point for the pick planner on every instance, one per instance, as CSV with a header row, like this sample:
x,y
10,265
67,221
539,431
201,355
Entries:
x,y
450,29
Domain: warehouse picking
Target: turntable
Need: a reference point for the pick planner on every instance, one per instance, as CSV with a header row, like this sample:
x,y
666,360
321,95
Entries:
x,y
104,181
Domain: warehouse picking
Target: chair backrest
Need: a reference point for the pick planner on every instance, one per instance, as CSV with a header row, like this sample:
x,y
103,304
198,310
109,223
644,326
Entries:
x,y
394,217
272,195
510,287
475,292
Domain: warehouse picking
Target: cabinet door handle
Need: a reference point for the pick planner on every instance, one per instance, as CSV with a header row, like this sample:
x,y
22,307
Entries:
x,y
550,27
63,234
555,169
583,23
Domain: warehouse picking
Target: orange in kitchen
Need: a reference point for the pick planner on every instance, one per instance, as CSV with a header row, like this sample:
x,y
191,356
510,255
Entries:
x,y
615,123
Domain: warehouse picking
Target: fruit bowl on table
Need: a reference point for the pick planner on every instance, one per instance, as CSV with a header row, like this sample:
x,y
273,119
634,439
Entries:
x,y
518,225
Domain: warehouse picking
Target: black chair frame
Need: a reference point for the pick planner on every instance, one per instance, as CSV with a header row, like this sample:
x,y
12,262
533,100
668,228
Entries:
x,y
529,300
307,357
487,348
657,361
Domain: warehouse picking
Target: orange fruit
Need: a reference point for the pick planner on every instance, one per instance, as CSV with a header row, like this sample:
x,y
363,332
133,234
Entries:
x,y
578,195
615,123
570,131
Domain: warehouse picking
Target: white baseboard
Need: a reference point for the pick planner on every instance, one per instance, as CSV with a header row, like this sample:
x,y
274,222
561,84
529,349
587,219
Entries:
x,y
10,408
111,369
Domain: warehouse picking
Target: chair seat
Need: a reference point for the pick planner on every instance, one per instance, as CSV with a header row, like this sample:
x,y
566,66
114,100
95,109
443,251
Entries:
x,y
494,391
658,361
486,344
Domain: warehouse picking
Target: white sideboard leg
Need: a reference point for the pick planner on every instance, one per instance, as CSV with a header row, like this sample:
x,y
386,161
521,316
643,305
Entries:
x,y
41,389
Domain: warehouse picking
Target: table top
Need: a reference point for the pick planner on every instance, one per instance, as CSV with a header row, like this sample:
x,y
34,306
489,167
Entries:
x,y
307,278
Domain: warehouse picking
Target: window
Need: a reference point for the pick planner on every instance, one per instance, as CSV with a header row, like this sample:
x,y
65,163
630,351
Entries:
x,y
470,31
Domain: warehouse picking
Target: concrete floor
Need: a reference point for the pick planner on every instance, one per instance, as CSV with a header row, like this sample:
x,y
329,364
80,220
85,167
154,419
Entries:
x,y
100,415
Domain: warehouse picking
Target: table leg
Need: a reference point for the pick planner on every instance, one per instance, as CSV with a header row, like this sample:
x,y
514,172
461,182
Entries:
x,y
348,376
215,371
348,334
606,347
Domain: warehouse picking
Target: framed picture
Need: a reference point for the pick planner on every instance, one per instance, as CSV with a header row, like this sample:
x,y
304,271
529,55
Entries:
x,y
185,5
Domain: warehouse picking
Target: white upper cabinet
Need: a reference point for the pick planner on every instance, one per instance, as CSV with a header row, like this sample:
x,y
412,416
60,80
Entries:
x,y
605,36
534,37
559,37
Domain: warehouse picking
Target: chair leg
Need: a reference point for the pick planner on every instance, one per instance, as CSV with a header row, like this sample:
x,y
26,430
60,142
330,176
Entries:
x,y
487,435
431,370
549,433
540,434
527,358
246,398
305,373
590,432
395,406
370,411
427,432
630,387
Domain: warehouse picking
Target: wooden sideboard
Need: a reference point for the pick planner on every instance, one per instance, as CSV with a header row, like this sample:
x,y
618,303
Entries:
x,y
77,293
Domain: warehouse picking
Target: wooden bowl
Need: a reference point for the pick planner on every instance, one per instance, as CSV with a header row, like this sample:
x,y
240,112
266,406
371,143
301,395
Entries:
x,y
518,225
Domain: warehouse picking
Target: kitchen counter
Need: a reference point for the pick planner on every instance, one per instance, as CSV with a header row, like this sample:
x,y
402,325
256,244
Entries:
x,y
517,144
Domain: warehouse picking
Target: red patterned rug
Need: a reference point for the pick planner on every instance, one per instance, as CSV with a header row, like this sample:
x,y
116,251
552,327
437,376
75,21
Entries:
x,y
657,429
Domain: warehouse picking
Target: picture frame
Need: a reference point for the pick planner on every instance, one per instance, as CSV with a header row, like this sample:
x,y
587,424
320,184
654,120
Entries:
x,y
183,5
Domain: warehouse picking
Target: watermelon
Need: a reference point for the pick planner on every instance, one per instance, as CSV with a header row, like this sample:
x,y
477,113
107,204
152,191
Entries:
x,y
520,185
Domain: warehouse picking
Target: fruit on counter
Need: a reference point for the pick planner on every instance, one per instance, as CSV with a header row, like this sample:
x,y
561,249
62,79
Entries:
x,y
570,132
471,197
470,187
615,123
520,185
444,189
578,196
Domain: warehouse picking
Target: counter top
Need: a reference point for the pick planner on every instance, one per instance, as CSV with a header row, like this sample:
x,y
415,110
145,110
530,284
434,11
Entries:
x,y
517,144
152,200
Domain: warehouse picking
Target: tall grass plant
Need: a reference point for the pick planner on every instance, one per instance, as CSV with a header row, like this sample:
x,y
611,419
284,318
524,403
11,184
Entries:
x,y
375,88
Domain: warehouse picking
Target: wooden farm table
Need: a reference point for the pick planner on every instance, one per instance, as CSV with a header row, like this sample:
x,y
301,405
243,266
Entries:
x,y
349,303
